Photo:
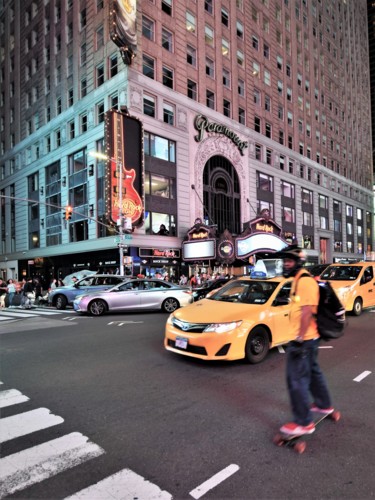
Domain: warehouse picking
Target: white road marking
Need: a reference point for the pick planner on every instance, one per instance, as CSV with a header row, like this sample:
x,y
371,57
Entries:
x,y
326,347
362,376
25,423
20,470
7,315
124,485
214,481
281,349
11,397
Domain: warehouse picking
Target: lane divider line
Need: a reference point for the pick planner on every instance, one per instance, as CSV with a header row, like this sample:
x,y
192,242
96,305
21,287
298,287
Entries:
x,y
361,376
214,481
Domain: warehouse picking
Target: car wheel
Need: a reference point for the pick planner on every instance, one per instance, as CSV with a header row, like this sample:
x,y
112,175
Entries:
x,y
257,345
170,305
97,307
60,302
357,307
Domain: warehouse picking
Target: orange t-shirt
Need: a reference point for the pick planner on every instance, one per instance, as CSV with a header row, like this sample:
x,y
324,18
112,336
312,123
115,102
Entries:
x,y
307,295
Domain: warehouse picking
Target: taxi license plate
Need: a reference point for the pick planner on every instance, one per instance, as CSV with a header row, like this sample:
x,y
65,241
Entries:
x,y
181,342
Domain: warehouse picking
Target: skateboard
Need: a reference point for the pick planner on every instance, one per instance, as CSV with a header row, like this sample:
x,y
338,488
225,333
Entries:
x,y
295,442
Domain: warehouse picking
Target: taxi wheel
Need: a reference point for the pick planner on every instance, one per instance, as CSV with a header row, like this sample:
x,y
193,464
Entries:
x,y
257,345
357,307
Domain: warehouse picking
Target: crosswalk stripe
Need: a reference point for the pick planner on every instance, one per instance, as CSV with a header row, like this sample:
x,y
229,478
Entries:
x,y
25,423
124,485
9,315
20,470
11,397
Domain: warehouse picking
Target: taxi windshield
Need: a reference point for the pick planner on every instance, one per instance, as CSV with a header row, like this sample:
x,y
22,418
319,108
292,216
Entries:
x,y
246,292
341,273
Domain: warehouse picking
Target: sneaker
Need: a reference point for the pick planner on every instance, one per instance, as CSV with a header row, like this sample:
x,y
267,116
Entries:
x,y
293,429
324,411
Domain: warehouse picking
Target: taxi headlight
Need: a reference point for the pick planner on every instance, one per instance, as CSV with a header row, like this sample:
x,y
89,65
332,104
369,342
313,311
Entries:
x,y
169,320
222,327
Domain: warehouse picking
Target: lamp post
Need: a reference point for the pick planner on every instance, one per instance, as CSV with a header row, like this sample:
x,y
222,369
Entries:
x,y
120,221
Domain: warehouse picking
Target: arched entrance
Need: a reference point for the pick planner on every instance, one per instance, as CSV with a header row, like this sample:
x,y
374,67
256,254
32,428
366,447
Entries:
x,y
221,195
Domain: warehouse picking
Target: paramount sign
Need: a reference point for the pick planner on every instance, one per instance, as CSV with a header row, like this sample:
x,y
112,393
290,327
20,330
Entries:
x,y
201,124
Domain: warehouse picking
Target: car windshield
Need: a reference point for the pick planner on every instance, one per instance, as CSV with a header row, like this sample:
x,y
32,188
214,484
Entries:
x,y
246,292
341,273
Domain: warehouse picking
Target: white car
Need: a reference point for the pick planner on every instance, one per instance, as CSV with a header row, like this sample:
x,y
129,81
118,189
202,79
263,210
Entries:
x,y
135,294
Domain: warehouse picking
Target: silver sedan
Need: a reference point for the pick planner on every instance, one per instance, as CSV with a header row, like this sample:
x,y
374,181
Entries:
x,y
135,294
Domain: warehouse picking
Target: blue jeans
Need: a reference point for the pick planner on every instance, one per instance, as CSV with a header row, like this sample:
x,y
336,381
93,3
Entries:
x,y
10,298
305,380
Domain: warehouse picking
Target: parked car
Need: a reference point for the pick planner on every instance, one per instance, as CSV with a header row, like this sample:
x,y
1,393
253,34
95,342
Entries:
x,y
61,296
243,319
354,284
135,294
202,291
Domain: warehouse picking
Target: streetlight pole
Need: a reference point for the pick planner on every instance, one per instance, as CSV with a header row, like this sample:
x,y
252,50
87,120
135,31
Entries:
x,y
120,221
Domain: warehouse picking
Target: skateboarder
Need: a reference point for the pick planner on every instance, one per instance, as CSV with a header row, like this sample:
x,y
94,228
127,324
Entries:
x,y
307,387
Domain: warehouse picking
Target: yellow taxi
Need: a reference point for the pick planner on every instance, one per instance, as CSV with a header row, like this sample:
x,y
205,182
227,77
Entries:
x,y
354,284
243,319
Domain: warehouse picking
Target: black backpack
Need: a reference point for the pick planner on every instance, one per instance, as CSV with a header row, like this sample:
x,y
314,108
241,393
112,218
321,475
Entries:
x,y
330,317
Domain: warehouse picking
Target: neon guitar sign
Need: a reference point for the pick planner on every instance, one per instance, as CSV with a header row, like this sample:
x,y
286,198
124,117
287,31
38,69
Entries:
x,y
131,200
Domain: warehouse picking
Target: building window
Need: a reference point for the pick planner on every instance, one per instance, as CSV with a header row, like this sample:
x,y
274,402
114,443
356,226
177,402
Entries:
x,y
191,55
82,19
257,124
167,40
258,152
83,53
158,185
225,47
241,88
71,130
288,190
99,37
166,6
159,147
190,22
148,28
99,75
226,108
83,87
288,214
192,90
149,105
268,130
208,6
100,112
210,99
70,97
209,36
113,65
241,116
226,78
148,66
210,67
167,77
83,122
168,113
224,17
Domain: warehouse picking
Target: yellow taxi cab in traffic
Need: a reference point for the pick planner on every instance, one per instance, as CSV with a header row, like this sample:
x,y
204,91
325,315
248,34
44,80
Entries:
x,y
354,284
243,319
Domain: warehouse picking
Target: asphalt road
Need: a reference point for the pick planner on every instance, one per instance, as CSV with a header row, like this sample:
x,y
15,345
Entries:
x,y
174,426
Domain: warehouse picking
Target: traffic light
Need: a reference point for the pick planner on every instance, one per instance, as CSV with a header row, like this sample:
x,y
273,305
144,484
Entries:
x,y
68,212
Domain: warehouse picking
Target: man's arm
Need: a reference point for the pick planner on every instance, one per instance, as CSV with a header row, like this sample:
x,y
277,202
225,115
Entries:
x,y
306,315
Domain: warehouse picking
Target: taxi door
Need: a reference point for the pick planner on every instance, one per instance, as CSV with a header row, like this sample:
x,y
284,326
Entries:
x,y
367,286
280,310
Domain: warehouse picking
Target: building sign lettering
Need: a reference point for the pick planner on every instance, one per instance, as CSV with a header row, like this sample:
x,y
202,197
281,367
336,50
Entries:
x,y
201,124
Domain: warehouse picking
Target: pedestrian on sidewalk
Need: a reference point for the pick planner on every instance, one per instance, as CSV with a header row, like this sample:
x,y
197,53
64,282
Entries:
x,y
3,293
306,383
11,290
28,292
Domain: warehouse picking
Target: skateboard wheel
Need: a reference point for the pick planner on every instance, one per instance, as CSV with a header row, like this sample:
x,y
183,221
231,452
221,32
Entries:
x,y
300,447
278,440
336,415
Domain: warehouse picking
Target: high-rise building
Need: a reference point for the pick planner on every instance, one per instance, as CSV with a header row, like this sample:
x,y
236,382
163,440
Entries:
x,y
248,107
